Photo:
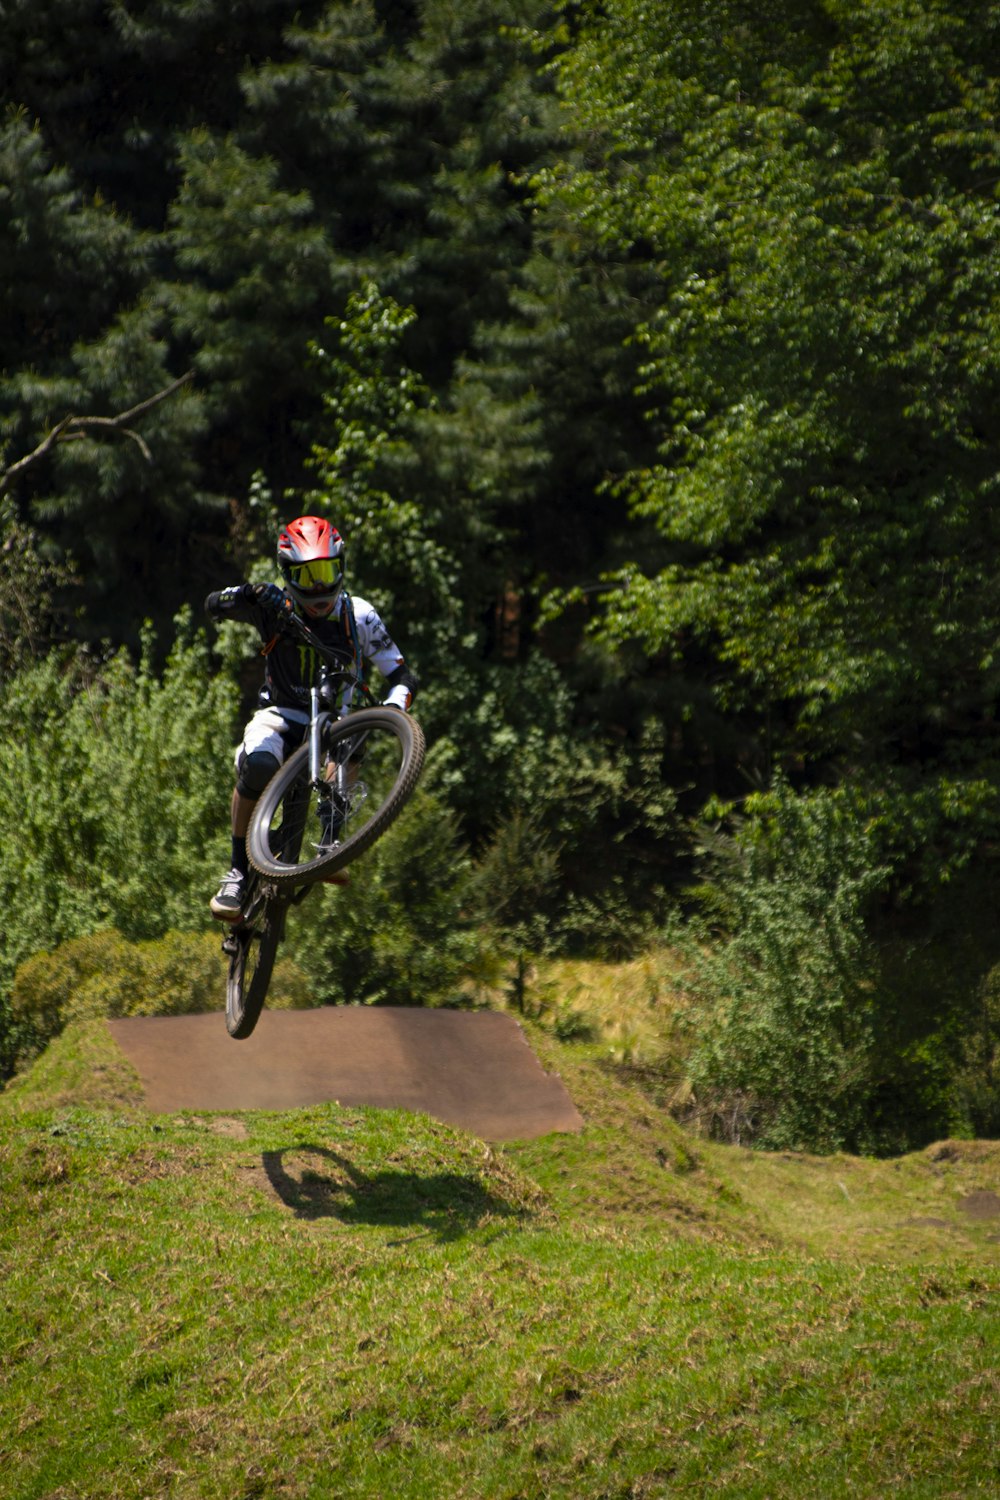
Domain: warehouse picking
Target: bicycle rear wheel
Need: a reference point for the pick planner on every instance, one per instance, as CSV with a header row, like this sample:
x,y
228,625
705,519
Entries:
x,y
252,946
373,759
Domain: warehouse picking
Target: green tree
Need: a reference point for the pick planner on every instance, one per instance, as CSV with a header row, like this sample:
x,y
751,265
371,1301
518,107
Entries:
x,y
67,260
823,359
79,339
220,178
254,271
786,984
505,728
402,551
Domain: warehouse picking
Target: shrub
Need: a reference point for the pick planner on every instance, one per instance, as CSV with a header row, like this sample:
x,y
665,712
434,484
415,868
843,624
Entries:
x,y
977,1078
103,974
784,1053
519,767
115,782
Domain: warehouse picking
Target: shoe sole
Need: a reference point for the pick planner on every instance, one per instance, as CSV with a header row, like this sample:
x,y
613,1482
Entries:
x,y
224,916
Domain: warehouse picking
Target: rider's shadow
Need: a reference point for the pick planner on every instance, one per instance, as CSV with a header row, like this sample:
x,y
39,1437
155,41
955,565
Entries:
x,y
317,1183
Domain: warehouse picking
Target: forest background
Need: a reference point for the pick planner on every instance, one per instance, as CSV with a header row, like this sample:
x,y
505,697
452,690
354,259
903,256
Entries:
x,y
647,358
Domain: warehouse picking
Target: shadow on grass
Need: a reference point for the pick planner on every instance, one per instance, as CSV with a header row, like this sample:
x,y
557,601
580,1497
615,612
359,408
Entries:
x,y
317,1183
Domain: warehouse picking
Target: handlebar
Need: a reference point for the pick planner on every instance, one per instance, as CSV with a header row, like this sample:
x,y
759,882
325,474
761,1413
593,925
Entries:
x,y
343,664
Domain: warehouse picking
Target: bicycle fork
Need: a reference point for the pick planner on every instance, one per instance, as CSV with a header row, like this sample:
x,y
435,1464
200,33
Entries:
x,y
332,782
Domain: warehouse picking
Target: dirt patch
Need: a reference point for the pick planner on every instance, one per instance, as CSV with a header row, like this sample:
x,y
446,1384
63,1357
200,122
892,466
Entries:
x,y
473,1070
980,1205
236,1130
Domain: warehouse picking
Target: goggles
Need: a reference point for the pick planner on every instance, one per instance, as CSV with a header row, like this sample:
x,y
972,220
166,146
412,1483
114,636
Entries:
x,y
322,576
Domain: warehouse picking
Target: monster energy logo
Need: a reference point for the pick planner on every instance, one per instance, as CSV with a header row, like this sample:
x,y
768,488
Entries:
x,y
308,662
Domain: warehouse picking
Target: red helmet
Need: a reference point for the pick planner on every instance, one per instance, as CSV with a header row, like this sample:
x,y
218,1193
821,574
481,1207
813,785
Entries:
x,y
311,559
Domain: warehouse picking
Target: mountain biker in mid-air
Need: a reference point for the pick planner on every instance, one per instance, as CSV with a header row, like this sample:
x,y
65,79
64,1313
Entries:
x,y
311,560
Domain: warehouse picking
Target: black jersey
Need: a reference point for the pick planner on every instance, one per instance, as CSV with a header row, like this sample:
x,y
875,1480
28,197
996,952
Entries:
x,y
292,667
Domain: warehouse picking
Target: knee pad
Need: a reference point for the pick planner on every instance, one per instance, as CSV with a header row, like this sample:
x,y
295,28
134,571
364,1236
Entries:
x,y
255,771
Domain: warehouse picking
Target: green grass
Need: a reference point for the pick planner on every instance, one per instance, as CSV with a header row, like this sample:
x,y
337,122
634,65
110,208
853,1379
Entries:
x,y
352,1302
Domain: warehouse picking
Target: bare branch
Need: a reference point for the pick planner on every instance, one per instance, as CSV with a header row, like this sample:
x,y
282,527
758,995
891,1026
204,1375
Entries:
x,y
72,429
40,452
143,406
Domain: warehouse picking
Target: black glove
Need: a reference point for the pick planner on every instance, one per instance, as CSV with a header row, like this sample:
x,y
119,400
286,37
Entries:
x,y
219,601
274,599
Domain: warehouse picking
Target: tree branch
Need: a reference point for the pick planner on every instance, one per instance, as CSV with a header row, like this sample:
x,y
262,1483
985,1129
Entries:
x,y
72,429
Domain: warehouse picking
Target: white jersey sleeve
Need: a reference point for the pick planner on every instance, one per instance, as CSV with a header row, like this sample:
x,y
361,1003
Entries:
x,y
378,648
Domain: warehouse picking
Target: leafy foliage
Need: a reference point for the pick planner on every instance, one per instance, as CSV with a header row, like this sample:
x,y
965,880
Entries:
x,y
405,931
647,356
825,470
786,1054
34,595
826,1012
976,1087
73,290
103,974
371,398
115,784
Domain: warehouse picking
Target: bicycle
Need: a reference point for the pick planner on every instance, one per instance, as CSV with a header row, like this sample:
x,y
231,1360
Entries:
x,y
328,803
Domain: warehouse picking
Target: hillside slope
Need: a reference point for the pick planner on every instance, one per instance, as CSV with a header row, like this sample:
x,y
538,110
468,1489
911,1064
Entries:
x,y
360,1303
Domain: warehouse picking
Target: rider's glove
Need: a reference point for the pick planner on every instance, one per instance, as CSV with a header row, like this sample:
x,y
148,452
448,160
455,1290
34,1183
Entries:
x,y
398,698
219,601
273,599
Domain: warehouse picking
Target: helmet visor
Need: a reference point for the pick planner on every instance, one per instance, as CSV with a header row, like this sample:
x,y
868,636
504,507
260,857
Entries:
x,y
321,576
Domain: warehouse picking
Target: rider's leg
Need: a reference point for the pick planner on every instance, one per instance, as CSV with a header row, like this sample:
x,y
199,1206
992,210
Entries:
x,y
259,756
241,812
342,779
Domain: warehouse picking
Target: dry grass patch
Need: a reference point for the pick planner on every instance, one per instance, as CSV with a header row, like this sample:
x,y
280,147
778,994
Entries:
x,y
909,1209
632,1010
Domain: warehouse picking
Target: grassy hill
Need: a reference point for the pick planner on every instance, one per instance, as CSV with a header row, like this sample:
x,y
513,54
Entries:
x,y
339,1302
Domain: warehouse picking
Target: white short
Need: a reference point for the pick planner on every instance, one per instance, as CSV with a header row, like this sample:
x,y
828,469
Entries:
x,y
267,730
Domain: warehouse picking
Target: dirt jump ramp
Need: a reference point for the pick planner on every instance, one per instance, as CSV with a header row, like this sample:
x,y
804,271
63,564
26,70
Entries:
x,y
473,1070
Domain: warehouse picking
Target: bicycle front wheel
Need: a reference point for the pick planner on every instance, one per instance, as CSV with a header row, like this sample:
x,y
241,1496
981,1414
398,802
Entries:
x,y
372,761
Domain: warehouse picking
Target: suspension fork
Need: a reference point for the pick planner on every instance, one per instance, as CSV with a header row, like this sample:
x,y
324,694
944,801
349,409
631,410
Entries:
x,y
336,775
315,727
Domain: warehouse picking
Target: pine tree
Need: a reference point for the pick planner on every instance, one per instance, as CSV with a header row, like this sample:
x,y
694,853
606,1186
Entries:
x,y
79,340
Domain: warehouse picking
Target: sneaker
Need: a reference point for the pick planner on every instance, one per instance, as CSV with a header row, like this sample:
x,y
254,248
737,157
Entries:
x,y
227,903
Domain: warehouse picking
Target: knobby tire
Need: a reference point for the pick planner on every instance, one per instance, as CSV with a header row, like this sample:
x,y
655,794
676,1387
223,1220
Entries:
x,y
262,929
250,969
293,774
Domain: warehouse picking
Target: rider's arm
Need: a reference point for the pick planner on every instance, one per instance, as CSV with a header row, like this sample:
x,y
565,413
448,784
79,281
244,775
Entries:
x,y
259,604
402,685
380,650
233,603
